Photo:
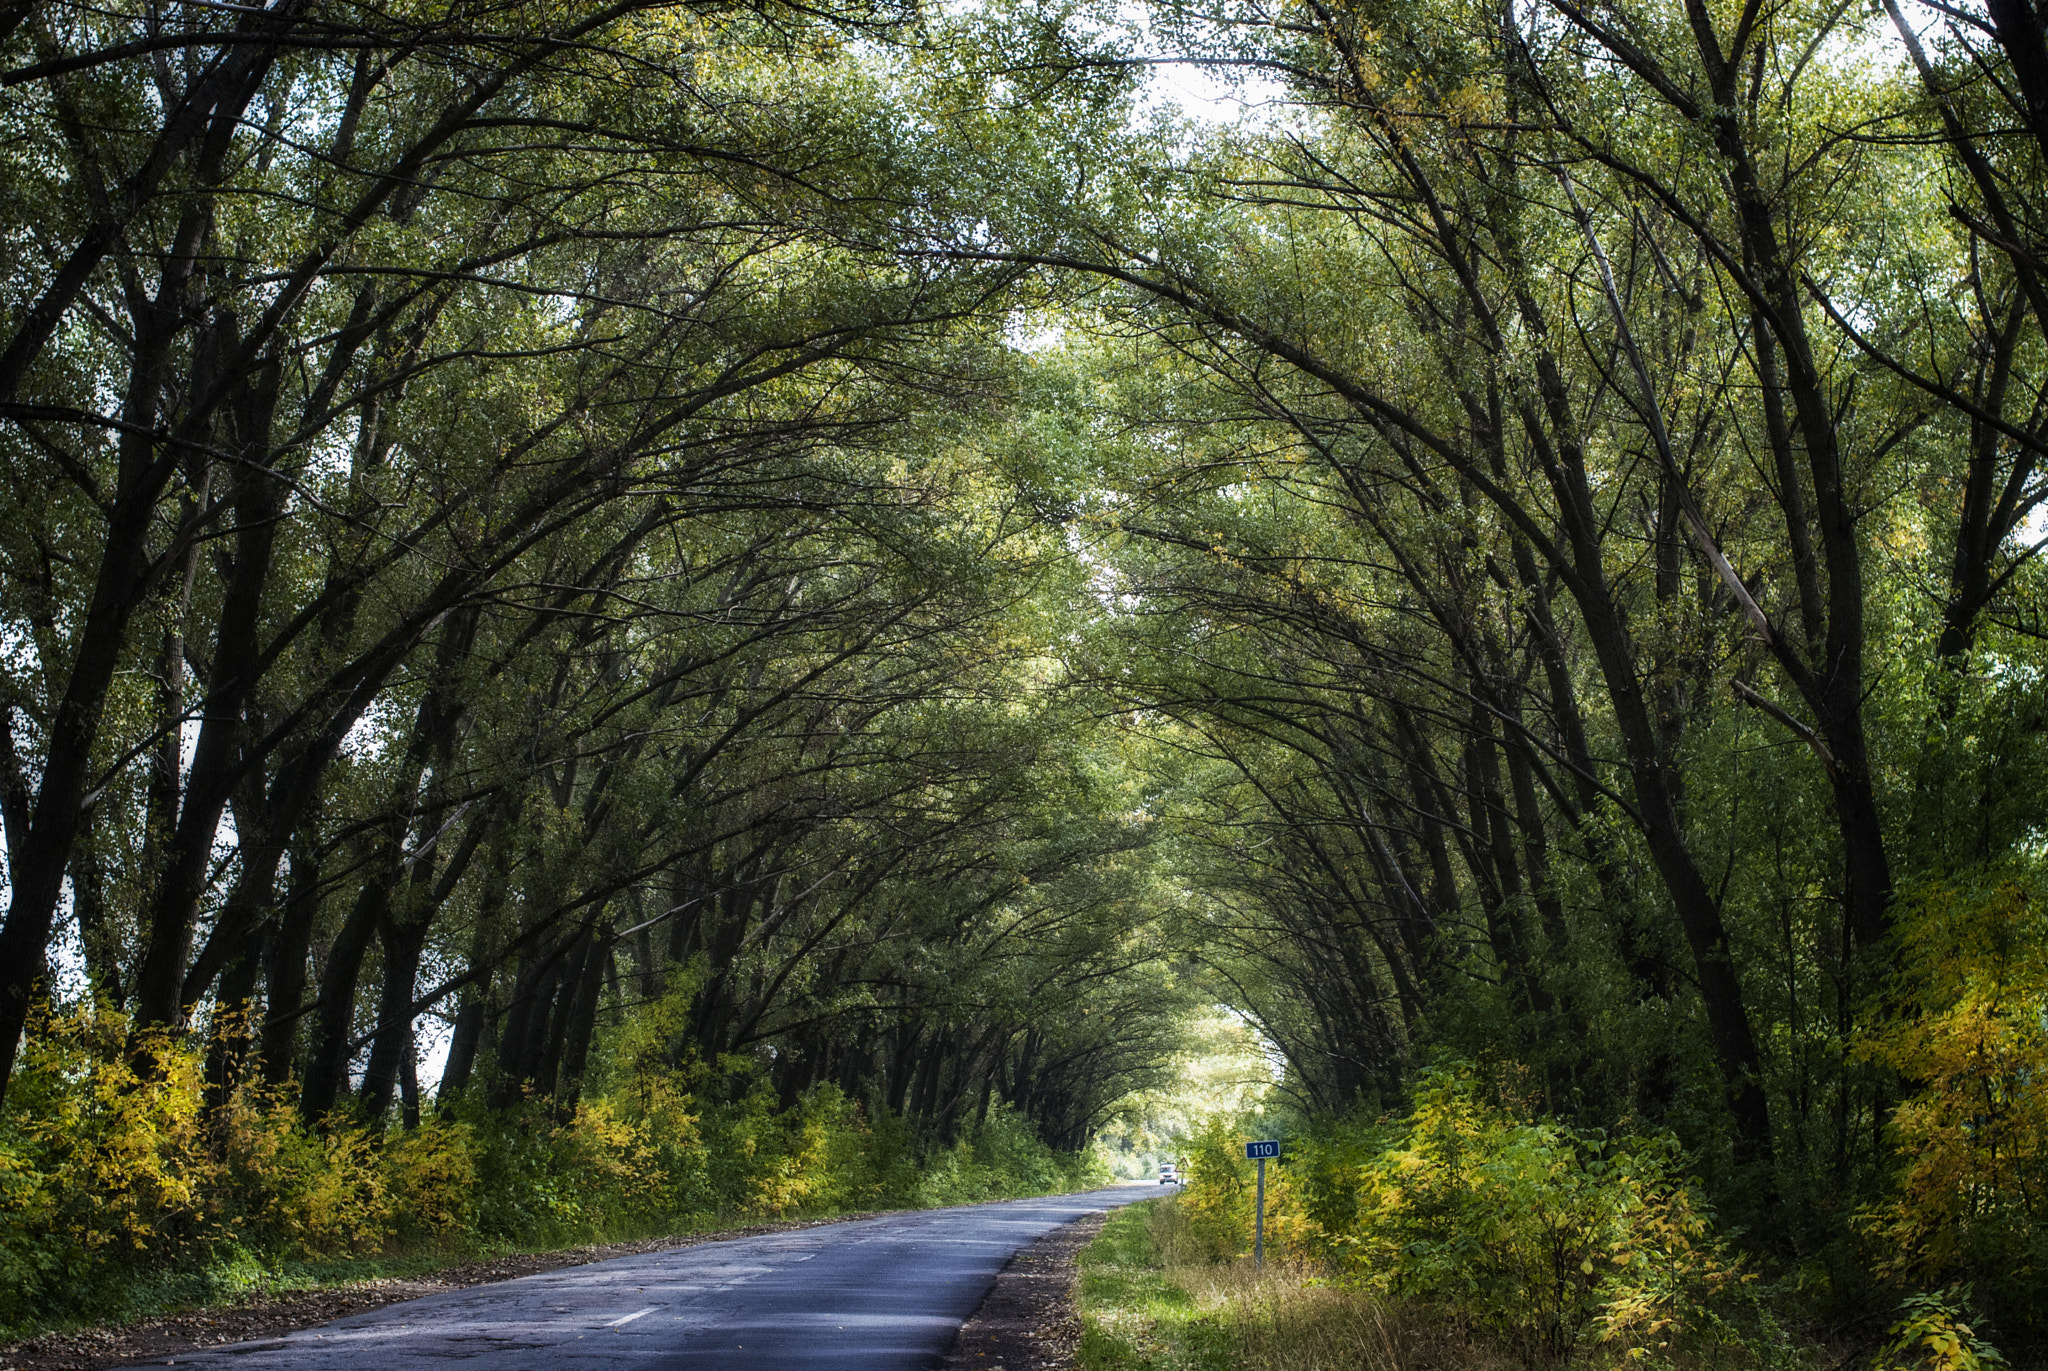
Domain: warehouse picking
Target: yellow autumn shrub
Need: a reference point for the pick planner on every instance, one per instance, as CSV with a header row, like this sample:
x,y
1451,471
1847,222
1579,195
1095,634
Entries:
x,y
432,1173
791,1158
1932,1335
117,1154
314,1194
614,1152
1548,1239
1220,1197
1964,1024
674,1136
1542,1234
107,1148
794,1175
336,1198
115,1164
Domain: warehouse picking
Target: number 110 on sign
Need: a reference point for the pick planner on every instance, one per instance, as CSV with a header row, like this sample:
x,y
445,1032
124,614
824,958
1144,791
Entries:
x,y
1259,1152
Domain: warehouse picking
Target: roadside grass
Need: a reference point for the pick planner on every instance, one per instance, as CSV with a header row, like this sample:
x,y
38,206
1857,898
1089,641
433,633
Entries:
x,y
1134,1315
1150,1302
235,1276
1152,1298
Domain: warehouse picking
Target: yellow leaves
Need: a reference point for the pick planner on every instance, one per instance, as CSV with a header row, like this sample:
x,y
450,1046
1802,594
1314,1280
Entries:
x,y
108,1161
26,1204
1472,103
335,1197
1532,1230
433,1174
115,1150
616,1154
1965,1023
797,1177
1220,1195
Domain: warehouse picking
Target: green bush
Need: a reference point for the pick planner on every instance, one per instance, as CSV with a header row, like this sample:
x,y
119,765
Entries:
x,y
1003,1158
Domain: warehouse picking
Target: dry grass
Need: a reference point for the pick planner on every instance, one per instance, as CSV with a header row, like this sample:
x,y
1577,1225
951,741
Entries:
x,y
1151,1301
1285,1319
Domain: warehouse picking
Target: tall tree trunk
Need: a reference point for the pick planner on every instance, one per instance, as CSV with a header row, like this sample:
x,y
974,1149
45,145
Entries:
x,y
583,1014
218,763
463,1043
403,938
334,1022
285,965
97,937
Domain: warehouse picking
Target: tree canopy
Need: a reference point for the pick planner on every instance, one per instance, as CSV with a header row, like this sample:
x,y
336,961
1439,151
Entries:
x,y
848,547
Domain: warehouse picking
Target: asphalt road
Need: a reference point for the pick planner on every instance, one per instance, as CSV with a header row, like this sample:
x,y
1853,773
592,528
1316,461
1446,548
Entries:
x,y
881,1294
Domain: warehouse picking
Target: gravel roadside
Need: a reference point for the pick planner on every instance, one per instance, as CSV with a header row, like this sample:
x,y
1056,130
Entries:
x,y
1029,1321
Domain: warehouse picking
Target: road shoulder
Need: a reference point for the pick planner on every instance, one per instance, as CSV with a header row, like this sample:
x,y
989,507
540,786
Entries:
x,y
1029,1321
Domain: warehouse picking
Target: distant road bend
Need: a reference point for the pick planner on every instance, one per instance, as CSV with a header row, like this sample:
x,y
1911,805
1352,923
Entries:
x,y
883,1294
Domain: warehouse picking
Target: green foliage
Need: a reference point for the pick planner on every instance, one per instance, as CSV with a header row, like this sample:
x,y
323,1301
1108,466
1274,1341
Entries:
x,y
1933,1336
1217,1072
841,570
1002,1158
103,1164
1220,1197
1152,1296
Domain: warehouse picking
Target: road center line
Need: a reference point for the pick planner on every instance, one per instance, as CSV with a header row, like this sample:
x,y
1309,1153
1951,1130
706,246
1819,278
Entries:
x,y
630,1317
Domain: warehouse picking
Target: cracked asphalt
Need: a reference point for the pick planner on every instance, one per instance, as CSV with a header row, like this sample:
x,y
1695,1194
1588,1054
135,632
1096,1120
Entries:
x,y
882,1294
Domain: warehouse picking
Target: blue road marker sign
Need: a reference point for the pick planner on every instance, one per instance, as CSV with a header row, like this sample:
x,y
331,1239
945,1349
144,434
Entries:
x,y
1260,1152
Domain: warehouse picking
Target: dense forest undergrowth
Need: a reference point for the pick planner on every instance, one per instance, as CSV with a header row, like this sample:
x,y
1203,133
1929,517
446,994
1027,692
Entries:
x,y
620,611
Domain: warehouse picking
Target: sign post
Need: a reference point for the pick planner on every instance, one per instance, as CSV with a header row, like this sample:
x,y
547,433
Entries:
x,y
1258,1152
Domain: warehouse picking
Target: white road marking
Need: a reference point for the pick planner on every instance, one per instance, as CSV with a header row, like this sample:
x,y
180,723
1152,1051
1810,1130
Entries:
x,y
630,1317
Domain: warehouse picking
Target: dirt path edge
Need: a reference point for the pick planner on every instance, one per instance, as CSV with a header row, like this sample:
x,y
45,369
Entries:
x,y
1029,1320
